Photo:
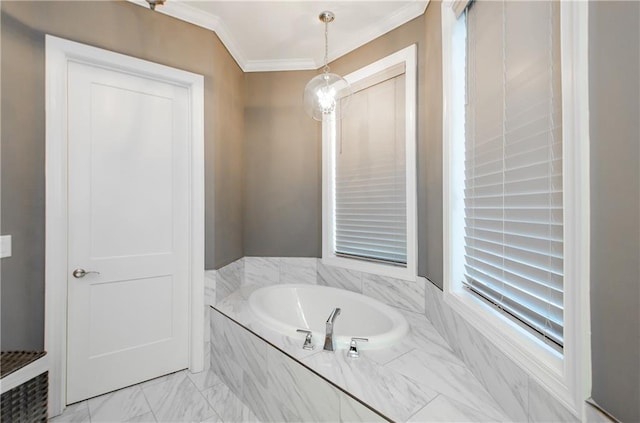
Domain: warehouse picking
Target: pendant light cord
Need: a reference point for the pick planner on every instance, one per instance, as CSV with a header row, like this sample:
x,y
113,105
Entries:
x,y
326,68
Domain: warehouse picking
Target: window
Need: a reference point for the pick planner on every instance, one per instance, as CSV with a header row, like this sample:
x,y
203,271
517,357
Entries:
x,y
513,162
515,189
369,172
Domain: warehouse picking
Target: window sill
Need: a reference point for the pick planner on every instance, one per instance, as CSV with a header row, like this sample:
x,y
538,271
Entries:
x,y
403,273
528,351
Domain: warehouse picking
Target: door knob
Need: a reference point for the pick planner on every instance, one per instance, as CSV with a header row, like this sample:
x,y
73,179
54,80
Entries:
x,y
81,273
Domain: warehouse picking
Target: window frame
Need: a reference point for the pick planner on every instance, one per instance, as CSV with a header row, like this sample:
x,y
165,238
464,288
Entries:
x,y
329,127
567,375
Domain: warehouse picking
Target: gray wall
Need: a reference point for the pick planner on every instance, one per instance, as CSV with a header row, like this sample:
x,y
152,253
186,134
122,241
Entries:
x,y
275,166
425,31
129,29
283,208
615,214
22,167
283,212
614,89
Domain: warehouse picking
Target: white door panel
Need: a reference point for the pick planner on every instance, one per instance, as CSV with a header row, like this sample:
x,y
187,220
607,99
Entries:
x,y
128,220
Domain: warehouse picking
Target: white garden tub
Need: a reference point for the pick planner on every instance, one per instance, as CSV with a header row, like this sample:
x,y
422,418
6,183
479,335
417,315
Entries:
x,y
288,307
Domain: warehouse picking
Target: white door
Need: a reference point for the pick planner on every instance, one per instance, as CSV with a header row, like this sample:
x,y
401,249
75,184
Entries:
x,y
129,205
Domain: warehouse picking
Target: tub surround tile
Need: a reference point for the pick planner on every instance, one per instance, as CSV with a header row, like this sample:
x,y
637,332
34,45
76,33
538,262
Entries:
x,y
120,405
207,355
443,318
210,287
177,399
338,277
392,394
406,295
445,409
310,398
290,345
401,389
422,336
433,308
544,408
386,355
207,329
229,372
443,333
261,271
450,380
222,362
503,379
506,382
265,405
229,278
219,342
298,270
352,411
249,352
74,413
236,305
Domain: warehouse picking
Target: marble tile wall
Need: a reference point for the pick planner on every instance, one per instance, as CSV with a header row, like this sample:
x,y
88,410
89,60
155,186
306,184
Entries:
x,y
521,397
228,279
210,287
406,295
209,299
338,277
264,271
398,382
276,270
274,386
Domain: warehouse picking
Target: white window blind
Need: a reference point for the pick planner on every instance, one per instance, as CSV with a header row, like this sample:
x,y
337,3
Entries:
x,y
370,176
513,161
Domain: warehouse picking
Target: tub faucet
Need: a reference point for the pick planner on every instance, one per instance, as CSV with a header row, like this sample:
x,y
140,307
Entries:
x,y
328,338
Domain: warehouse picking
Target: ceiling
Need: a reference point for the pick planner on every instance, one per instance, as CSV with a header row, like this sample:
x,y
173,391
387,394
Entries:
x,y
287,35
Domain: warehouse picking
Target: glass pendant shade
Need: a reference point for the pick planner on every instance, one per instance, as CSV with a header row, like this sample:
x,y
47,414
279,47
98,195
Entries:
x,y
326,93
322,94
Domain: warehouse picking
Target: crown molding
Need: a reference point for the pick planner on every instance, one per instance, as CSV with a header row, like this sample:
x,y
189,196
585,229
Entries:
x,y
371,32
280,65
198,17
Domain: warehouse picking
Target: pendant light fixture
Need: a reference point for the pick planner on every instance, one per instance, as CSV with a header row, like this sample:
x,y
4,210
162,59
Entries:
x,y
323,92
154,3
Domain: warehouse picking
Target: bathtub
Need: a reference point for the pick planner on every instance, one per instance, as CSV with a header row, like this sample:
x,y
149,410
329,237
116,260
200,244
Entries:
x,y
285,308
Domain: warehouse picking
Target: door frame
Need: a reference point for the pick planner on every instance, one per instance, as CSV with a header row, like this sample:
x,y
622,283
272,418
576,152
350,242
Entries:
x,y
59,52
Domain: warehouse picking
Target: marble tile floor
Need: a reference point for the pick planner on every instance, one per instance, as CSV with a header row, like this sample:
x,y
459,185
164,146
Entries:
x,y
176,398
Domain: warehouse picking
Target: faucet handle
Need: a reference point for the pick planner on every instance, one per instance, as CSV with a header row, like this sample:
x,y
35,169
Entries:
x,y
353,347
307,339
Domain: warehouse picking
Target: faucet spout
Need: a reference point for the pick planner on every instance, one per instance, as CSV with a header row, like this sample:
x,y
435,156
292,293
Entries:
x,y
328,338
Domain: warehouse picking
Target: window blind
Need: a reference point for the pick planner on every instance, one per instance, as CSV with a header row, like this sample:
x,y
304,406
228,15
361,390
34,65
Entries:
x,y
459,6
370,181
513,161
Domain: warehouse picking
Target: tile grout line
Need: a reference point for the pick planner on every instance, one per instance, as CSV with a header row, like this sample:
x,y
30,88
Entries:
x,y
153,413
425,406
397,358
215,412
